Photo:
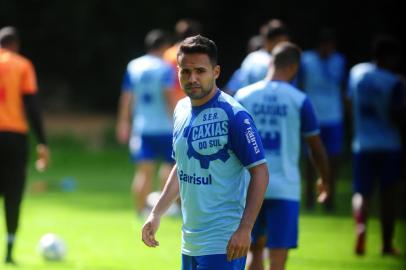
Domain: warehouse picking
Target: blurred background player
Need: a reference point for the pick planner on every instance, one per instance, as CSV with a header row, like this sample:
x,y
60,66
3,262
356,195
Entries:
x,y
146,98
282,113
183,28
377,97
18,101
255,65
255,43
322,76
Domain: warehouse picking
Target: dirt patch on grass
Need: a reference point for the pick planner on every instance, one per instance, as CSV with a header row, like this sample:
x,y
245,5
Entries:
x,y
78,125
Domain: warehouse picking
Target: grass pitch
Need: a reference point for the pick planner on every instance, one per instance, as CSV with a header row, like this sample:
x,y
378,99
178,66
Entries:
x,y
101,231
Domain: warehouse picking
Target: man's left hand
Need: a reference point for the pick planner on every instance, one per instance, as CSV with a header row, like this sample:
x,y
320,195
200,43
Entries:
x,y
239,244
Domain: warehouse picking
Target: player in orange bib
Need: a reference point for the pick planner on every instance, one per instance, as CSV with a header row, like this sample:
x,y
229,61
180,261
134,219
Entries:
x,y
18,101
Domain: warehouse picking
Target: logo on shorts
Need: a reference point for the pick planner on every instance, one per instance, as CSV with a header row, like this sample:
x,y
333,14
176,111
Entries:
x,y
207,137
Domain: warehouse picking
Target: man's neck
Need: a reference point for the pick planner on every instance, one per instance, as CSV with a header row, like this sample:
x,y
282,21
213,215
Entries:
x,y
11,48
157,53
276,75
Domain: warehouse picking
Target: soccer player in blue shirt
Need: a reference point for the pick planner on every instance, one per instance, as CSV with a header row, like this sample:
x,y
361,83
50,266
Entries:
x,y
322,76
146,102
255,43
255,65
377,95
220,172
282,113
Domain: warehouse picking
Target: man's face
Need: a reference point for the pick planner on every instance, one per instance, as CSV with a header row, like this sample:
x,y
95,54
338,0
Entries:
x,y
197,76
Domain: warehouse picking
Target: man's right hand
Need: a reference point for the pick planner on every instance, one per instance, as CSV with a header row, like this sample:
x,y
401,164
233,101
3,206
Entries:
x,y
43,157
149,229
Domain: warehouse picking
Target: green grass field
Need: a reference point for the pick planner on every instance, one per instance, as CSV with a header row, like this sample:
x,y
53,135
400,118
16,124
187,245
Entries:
x,y
97,222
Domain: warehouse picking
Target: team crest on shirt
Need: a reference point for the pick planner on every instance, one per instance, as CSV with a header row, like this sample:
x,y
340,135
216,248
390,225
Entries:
x,y
207,137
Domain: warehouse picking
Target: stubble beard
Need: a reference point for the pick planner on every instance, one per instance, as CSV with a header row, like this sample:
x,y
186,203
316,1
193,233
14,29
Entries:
x,y
203,93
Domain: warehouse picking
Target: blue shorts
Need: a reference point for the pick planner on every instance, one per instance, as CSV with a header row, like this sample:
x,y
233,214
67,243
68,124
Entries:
x,y
151,147
384,166
332,137
212,262
278,221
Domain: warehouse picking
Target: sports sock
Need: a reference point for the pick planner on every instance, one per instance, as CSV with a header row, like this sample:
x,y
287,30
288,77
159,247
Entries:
x,y
10,245
360,224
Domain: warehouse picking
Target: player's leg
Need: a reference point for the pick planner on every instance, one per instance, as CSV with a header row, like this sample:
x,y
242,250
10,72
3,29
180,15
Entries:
x,y
164,171
160,148
12,202
258,236
332,137
310,179
256,257
142,183
387,218
360,214
389,175
282,230
163,148
3,168
142,154
278,258
364,171
334,163
14,175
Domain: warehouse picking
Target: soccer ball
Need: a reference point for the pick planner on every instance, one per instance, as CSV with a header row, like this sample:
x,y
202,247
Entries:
x,y
51,247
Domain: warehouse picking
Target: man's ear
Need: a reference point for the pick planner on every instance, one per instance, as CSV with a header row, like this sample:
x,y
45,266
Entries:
x,y
216,71
293,69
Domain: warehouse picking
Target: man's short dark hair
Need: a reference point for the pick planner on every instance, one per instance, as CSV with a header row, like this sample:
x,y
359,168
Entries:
x,y
155,39
275,28
8,35
199,44
286,54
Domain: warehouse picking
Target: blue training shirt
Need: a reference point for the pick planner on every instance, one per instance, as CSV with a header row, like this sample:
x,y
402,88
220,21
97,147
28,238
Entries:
x,y
213,145
254,67
371,90
235,82
322,80
148,77
281,113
